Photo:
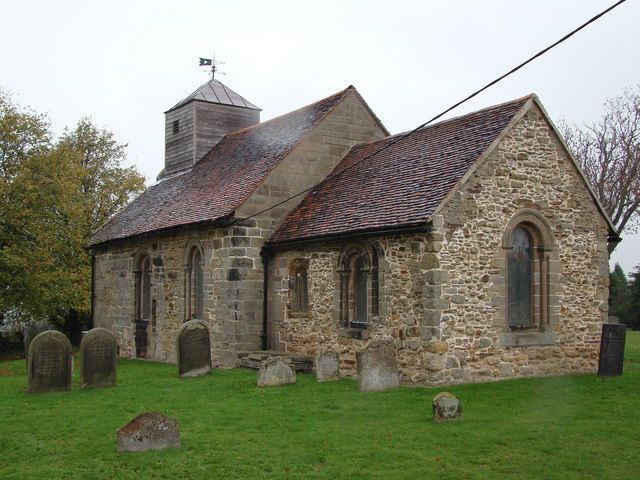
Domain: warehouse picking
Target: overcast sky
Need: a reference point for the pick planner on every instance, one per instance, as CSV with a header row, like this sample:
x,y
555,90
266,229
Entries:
x,y
125,63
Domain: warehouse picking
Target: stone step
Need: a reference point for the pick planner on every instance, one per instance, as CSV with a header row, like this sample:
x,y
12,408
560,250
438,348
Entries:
x,y
300,363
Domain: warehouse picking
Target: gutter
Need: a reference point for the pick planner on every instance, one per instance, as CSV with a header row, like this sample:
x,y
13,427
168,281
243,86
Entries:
x,y
423,227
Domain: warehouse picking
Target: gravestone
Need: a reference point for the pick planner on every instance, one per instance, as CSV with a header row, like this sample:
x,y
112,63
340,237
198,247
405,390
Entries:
x,y
49,363
98,357
377,367
30,330
327,366
275,372
148,431
193,349
446,407
612,349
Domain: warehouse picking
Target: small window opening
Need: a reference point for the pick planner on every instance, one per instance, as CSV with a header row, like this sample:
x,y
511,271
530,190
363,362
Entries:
x,y
176,126
298,286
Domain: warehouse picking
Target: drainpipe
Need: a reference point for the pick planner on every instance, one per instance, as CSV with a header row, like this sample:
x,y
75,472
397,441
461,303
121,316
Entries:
x,y
264,253
93,288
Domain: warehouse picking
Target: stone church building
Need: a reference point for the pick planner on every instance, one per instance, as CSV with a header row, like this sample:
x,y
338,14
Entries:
x,y
475,244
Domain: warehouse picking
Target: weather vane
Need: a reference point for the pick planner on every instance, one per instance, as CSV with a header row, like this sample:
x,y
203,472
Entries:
x,y
213,63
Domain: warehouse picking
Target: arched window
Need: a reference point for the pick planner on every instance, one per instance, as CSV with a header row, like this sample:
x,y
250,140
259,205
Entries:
x,y
143,309
194,291
143,288
358,286
528,247
520,273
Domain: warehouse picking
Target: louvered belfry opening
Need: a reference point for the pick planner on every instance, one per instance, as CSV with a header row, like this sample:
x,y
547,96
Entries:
x,y
194,125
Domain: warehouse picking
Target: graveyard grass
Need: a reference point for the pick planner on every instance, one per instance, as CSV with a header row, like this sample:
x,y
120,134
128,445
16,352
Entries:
x,y
538,428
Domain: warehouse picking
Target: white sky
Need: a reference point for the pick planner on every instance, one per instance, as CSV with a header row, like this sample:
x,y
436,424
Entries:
x,y
125,62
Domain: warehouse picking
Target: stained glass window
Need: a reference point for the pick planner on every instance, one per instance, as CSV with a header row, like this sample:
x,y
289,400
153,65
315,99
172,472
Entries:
x,y
520,274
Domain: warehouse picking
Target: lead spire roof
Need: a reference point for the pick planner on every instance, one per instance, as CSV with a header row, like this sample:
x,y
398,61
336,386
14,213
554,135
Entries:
x,y
214,91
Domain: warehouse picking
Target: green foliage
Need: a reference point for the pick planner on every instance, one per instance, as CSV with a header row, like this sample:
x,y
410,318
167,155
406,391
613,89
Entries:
x,y
571,427
634,300
54,194
619,294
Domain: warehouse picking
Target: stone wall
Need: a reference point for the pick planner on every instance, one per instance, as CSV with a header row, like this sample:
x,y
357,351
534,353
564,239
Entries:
x,y
233,274
443,293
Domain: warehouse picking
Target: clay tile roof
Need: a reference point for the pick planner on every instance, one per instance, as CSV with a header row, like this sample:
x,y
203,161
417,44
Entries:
x,y
221,180
215,91
400,186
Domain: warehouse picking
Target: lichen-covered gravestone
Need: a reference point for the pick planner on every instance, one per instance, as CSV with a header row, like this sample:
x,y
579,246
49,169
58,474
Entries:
x,y
446,407
193,349
275,372
377,367
148,431
49,363
98,357
327,366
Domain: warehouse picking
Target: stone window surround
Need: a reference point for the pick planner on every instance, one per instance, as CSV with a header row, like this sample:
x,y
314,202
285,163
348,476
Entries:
x,y
194,245
545,282
346,278
141,258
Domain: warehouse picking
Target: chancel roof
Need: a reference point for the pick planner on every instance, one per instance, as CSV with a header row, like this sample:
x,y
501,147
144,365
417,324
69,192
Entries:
x,y
401,185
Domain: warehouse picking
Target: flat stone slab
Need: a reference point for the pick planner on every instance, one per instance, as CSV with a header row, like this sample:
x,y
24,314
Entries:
x,y
275,372
377,367
193,349
148,431
49,363
446,407
98,359
327,366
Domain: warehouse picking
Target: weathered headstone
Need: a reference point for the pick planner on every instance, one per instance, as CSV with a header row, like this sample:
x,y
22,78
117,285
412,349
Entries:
x,y
275,372
612,349
446,407
377,367
148,431
327,366
30,330
49,363
98,357
193,349
613,319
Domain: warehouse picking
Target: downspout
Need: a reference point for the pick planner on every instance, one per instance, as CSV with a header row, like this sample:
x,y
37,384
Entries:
x,y
264,253
93,288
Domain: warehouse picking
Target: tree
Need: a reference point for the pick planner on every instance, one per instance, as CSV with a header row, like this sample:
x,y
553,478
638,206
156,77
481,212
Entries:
x,y
619,294
54,194
22,133
609,154
106,185
42,262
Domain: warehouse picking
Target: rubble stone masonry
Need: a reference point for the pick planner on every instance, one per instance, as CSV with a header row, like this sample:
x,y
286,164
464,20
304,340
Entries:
x,y
442,292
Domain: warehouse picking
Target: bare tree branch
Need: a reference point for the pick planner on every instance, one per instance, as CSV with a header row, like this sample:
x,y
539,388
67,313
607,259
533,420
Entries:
x,y
609,154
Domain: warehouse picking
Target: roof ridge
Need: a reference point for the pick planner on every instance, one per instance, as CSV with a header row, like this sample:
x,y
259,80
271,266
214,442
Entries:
x,y
447,120
250,127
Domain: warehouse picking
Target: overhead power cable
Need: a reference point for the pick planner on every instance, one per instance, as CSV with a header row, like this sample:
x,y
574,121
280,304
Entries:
x,y
401,137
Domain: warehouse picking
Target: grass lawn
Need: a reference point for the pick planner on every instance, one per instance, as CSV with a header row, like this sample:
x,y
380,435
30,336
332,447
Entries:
x,y
562,427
